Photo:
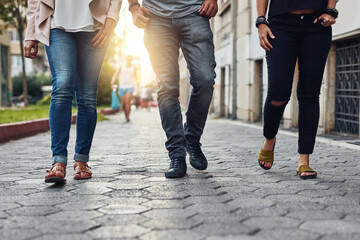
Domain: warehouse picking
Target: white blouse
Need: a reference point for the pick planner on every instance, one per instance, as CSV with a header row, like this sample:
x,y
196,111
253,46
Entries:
x,y
73,16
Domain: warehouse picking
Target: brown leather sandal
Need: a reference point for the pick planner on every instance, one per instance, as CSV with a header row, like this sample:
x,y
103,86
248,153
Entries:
x,y
56,174
82,171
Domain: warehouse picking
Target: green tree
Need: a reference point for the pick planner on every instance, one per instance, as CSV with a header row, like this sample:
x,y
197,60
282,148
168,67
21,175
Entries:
x,y
12,13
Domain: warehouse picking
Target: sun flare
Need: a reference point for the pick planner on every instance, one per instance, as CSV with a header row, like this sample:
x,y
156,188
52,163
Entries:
x,y
132,39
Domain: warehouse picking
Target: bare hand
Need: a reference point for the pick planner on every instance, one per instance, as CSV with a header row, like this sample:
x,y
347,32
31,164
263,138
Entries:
x,y
326,20
104,34
31,49
139,16
264,31
209,8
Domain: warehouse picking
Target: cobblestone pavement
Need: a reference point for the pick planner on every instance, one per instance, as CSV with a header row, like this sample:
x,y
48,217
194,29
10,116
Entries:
x,y
129,198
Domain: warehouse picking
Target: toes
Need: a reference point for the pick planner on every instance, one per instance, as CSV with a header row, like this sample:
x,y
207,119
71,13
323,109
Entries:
x,y
307,174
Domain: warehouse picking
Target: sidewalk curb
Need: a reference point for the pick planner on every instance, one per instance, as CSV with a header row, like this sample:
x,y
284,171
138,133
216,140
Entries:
x,y
322,139
13,131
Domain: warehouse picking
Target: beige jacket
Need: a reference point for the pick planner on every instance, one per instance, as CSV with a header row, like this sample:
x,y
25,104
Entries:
x,y
39,16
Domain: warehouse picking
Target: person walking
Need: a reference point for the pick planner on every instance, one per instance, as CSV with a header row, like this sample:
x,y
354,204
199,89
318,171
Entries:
x,y
295,31
126,77
170,25
76,35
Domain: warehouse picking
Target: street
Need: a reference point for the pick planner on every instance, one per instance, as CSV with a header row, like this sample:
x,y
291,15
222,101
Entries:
x,y
129,197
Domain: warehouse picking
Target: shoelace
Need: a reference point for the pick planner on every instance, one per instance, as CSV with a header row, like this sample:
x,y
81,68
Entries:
x,y
174,163
195,150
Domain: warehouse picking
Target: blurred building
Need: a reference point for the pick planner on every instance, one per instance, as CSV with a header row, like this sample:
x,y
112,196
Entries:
x,y
5,70
241,82
38,65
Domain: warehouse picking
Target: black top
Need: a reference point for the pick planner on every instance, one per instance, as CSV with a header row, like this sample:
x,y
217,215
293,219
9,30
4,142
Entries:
x,y
278,7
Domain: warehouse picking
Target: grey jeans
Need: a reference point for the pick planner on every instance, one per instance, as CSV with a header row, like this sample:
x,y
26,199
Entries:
x,y
163,38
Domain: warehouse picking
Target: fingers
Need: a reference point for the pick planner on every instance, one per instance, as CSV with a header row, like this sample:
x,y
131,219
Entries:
x,y
31,49
326,20
214,11
101,38
264,32
145,11
139,18
269,32
97,36
204,9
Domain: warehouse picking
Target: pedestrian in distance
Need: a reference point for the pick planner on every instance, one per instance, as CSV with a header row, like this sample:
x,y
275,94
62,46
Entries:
x,y
170,25
76,35
296,31
126,77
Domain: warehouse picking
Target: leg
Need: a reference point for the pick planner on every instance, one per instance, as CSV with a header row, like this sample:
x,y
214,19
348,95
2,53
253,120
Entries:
x,y
128,97
281,62
123,104
314,48
62,55
198,48
88,69
161,40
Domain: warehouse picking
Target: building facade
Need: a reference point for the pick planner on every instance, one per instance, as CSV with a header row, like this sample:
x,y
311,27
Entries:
x,y
5,70
241,82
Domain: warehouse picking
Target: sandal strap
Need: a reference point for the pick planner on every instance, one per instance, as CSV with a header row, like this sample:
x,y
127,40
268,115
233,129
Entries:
x,y
57,167
82,167
305,168
266,156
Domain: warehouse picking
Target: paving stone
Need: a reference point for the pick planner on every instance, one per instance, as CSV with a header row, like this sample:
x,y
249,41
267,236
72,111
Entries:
x,y
66,215
125,200
163,204
225,229
331,226
212,207
59,236
175,235
19,234
33,211
75,226
120,231
123,209
88,205
272,222
170,223
251,202
169,213
234,237
341,236
129,197
286,234
314,215
122,219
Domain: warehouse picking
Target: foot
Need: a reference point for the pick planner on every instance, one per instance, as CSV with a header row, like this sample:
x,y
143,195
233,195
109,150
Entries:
x,y
82,171
197,157
177,168
268,145
304,159
56,174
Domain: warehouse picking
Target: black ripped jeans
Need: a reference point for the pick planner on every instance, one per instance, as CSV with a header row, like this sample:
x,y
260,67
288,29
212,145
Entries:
x,y
296,38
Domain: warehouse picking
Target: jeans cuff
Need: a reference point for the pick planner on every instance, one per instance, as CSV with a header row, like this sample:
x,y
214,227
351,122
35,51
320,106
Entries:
x,y
59,159
81,157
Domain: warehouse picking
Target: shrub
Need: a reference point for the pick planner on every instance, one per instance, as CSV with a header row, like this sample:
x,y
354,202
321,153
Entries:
x,y
104,90
34,83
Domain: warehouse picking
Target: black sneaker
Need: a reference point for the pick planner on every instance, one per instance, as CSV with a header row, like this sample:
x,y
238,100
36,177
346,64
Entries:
x,y
197,157
177,168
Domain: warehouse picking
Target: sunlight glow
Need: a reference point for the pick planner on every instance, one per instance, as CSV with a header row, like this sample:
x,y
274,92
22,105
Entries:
x,y
133,44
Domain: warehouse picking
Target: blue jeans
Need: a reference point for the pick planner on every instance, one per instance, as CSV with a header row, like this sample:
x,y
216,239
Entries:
x,y
75,67
163,38
296,38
